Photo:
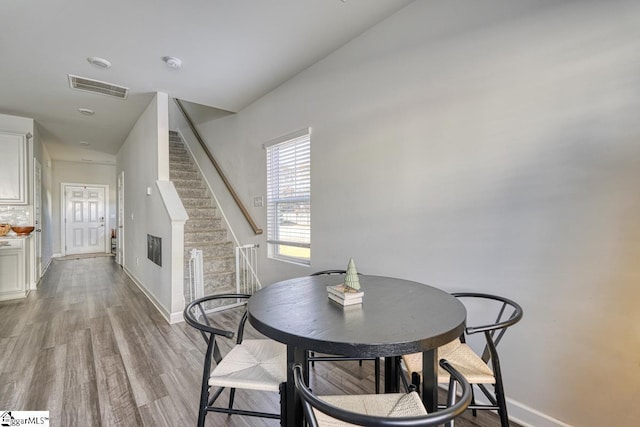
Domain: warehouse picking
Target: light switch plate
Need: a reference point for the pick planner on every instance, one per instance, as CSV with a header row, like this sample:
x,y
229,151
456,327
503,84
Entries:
x,y
257,201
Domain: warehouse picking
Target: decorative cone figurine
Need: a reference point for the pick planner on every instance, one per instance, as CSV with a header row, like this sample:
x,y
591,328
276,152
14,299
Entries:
x,y
351,279
349,292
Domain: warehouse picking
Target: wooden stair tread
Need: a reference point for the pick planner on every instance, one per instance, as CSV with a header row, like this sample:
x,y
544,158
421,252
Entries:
x,y
204,229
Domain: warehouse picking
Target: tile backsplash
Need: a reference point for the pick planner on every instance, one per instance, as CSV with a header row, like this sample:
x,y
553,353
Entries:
x,y
15,215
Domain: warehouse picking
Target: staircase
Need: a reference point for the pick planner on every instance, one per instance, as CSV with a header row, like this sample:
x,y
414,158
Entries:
x,y
204,229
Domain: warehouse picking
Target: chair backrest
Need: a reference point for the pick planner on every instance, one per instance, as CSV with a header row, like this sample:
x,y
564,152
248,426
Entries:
x,y
310,402
195,314
507,313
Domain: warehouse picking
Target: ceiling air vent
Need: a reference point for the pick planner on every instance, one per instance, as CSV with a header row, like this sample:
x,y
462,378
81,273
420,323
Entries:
x,y
95,86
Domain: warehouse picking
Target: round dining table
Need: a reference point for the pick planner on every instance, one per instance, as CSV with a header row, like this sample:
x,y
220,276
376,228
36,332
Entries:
x,y
395,317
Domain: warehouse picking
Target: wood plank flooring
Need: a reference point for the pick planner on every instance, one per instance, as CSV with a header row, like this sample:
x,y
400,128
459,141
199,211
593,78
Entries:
x,y
90,348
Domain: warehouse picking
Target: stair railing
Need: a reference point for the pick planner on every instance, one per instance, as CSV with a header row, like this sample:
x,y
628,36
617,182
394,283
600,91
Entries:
x,y
247,269
227,184
196,275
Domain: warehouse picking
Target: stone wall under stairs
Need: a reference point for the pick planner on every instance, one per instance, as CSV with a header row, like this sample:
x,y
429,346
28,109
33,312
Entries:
x,y
204,229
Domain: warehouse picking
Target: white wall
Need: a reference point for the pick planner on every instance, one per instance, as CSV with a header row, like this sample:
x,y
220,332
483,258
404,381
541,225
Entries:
x,y
144,159
482,146
16,124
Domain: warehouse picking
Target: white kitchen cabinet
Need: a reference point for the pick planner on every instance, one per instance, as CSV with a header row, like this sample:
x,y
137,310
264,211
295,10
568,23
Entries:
x,y
13,169
13,268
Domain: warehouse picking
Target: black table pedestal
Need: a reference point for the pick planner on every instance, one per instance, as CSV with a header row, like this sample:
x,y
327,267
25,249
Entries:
x,y
391,374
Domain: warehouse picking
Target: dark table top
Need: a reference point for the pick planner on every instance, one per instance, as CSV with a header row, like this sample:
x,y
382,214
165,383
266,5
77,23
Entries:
x,y
396,316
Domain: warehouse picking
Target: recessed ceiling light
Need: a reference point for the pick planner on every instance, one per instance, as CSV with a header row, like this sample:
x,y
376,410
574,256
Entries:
x,y
84,143
172,62
86,111
99,62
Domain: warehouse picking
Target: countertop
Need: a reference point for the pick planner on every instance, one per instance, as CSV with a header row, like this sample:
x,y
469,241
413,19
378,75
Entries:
x,y
13,236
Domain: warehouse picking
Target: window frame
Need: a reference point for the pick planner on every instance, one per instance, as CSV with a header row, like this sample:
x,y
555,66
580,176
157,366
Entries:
x,y
296,149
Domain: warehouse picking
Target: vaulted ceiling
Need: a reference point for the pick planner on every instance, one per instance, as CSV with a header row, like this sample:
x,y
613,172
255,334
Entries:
x,y
232,52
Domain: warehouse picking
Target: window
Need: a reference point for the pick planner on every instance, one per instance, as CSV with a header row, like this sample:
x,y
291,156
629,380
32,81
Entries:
x,y
289,197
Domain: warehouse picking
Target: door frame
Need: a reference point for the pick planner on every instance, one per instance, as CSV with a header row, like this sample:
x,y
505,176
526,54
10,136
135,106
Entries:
x,y
37,220
63,215
120,221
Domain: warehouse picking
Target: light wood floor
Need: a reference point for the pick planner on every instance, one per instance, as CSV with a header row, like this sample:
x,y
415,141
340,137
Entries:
x,y
90,348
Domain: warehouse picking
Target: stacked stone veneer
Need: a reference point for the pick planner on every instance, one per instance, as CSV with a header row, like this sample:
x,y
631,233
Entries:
x,y
204,229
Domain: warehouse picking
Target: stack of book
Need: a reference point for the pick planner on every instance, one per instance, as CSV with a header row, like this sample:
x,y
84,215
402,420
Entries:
x,y
344,295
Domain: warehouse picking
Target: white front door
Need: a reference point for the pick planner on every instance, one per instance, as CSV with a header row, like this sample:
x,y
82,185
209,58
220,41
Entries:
x,y
85,220
37,218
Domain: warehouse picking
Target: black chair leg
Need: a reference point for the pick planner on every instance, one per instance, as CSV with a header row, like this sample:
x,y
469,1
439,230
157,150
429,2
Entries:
x,y
204,397
415,380
232,395
502,403
201,417
283,404
474,412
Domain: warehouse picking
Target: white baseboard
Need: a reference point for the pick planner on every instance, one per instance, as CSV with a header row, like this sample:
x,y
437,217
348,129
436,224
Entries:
x,y
44,271
176,318
169,317
6,296
522,414
47,265
529,417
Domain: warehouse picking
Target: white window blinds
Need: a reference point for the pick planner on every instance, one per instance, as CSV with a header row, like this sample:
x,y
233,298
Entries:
x,y
289,197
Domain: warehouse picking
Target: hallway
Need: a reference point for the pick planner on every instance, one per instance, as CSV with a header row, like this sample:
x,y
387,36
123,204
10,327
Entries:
x,y
90,348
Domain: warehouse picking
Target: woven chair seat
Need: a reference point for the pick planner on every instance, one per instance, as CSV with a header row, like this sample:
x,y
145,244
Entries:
x,y
253,364
250,364
477,370
461,357
384,405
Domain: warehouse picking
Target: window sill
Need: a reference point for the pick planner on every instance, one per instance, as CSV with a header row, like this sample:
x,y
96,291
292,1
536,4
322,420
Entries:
x,y
301,263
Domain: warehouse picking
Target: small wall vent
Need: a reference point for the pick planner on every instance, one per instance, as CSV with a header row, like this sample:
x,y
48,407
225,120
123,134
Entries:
x,y
96,86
